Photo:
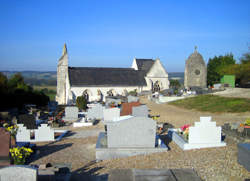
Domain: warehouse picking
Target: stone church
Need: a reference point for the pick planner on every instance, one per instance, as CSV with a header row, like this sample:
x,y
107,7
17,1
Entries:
x,y
144,75
195,71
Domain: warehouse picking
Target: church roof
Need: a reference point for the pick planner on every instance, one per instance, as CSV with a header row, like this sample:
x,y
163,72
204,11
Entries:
x,y
144,64
94,76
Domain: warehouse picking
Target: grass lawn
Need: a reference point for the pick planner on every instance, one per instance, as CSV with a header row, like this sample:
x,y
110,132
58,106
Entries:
x,y
213,103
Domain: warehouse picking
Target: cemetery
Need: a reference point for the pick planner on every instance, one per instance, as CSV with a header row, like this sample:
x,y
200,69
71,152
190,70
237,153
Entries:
x,y
135,133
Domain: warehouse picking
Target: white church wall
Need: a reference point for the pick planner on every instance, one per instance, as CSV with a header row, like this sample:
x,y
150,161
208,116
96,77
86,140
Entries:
x,y
93,95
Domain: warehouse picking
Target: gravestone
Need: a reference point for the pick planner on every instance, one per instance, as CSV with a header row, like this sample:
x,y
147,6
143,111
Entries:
x,y
21,172
71,113
110,114
244,155
203,134
23,134
126,108
132,99
95,112
4,147
135,132
205,131
44,133
140,111
28,120
110,100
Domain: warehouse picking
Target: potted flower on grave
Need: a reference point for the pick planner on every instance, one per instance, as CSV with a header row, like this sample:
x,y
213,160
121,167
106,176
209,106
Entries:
x,y
184,131
12,129
246,124
19,155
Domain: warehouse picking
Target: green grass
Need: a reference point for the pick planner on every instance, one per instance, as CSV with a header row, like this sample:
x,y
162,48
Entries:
x,y
212,103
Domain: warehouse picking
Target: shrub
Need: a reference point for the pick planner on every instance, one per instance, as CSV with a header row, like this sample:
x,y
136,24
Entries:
x,y
81,102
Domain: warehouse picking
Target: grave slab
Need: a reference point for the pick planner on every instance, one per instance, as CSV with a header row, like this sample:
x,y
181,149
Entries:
x,y
105,153
95,112
132,99
21,172
244,155
140,111
133,132
110,113
71,113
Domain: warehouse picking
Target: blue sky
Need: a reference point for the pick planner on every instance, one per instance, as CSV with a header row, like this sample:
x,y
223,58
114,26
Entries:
x,y
107,33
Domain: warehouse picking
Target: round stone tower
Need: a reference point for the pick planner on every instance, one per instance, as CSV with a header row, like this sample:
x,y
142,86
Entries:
x,y
195,71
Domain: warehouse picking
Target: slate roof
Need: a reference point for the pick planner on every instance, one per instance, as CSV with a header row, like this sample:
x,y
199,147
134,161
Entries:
x,y
144,64
94,76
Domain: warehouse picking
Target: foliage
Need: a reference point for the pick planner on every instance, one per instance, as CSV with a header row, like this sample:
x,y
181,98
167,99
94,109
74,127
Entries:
x,y
19,155
213,103
81,102
241,71
133,93
175,84
215,67
15,93
12,129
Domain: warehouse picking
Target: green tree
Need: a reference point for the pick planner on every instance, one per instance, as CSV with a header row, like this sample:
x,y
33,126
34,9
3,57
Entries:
x,y
3,83
175,84
216,67
15,80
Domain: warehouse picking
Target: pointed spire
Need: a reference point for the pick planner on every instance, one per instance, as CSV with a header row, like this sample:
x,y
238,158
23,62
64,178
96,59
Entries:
x,y
64,49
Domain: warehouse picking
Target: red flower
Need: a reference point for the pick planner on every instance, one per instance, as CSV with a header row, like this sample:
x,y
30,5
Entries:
x,y
185,127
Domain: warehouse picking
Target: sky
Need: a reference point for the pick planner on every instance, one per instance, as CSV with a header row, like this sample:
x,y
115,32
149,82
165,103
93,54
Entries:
x,y
105,33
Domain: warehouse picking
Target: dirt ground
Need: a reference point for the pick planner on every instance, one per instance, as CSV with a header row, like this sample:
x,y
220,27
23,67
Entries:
x,y
210,164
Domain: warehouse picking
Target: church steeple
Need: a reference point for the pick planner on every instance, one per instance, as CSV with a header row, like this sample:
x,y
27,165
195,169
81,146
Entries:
x,y
64,49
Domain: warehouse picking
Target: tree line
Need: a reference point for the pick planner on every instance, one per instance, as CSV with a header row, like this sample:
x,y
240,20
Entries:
x,y
14,92
226,65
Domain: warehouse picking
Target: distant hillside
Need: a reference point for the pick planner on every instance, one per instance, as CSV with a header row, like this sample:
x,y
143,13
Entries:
x,y
35,77
49,78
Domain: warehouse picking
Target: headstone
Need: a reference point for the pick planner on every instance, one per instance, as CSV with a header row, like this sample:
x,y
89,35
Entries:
x,y
110,100
205,131
136,132
71,113
140,111
132,99
244,155
4,147
126,108
95,112
44,133
28,120
110,114
23,134
21,172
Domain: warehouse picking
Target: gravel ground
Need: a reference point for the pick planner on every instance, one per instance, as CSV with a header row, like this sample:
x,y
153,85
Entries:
x,y
210,164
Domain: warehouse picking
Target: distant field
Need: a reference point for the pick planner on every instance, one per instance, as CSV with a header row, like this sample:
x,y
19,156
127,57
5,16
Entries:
x,y
51,91
38,87
213,103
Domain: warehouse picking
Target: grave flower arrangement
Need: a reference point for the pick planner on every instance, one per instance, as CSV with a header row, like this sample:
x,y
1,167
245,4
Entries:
x,y
19,155
185,131
246,124
12,129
